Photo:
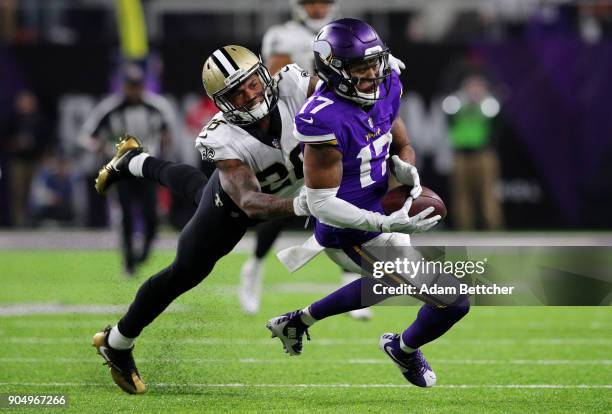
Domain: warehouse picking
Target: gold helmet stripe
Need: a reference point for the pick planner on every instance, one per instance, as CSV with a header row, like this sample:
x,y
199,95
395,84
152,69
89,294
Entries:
x,y
227,66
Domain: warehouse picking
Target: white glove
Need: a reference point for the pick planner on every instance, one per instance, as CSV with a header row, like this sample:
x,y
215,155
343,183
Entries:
x,y
396,65
401,222
407,173
300,204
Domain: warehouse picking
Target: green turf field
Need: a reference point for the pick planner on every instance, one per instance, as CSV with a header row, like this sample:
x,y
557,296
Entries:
x,y
205,355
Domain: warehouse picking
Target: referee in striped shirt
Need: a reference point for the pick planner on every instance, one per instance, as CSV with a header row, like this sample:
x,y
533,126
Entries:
x,y
149,117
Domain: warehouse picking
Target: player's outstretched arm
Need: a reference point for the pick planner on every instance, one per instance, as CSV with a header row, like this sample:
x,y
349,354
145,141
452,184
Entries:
x,y
240,183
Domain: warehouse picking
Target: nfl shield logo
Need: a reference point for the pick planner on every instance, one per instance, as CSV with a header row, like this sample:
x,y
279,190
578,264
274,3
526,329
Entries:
x,y
276,144
370,123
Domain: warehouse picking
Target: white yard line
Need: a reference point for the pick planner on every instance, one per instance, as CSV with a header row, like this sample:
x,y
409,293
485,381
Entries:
x,y
324,386
353,361
98,323
27,309
315,342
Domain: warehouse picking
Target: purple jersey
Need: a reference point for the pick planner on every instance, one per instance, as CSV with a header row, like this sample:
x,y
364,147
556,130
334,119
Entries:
x,y
364,138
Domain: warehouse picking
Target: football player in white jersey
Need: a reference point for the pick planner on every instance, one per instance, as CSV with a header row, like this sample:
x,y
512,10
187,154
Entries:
x,y
258,176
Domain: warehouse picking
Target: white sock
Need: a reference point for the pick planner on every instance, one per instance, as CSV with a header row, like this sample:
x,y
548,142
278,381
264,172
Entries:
x,y
405,347
306,317
117,341
256,261
136,163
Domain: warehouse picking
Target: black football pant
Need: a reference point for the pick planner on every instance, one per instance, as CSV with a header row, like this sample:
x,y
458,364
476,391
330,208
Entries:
x,y
213,231
143,194
267,233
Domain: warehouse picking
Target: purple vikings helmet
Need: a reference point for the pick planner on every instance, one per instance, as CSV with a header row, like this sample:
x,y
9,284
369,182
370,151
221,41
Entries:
x,y
347,43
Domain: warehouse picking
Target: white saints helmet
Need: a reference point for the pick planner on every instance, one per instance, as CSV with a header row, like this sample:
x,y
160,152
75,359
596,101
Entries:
x,y
299,14
225,70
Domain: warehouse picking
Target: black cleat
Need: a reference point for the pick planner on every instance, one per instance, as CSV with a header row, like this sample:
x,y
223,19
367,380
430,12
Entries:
x,y
121,364
117,168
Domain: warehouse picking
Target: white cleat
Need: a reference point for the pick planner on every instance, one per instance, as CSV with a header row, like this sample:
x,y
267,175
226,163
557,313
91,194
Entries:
x,y
249,291
364,314
290,329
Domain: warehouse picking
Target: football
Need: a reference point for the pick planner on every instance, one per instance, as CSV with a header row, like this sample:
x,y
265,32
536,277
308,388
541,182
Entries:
x,y
395,199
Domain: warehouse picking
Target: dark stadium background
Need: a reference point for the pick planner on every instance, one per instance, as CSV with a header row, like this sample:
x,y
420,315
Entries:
x,y
553,135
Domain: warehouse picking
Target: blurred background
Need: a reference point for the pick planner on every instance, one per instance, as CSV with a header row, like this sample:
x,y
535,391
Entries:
x,y
507,102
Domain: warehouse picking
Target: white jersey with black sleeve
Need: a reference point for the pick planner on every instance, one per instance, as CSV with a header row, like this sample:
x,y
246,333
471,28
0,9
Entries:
x,y
275,160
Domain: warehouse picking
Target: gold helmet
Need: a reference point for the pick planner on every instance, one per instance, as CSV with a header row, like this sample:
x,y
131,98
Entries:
x,y
225,70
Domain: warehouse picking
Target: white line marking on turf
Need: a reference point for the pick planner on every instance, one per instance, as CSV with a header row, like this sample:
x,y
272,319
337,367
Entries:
x,y
241,385
314,342
21,309
97,323
354,361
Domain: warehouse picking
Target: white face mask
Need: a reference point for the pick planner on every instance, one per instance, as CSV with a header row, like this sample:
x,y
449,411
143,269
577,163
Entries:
x,y
245,116
368,98
261,110
362,98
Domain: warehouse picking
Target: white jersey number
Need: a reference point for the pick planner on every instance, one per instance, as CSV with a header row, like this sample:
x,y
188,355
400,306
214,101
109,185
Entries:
x,y
368,169
325,102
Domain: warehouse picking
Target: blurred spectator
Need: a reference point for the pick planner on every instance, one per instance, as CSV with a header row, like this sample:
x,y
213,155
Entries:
x,y
595,20
29,21
471,112
149,117
52,192
198,115
8,20
28,137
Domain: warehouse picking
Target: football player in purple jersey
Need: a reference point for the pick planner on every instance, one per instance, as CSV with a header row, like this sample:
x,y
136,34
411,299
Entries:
x,y
349,128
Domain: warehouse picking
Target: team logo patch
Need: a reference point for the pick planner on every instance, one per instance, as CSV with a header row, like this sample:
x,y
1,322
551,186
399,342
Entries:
x,y
208,154
218,201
